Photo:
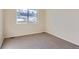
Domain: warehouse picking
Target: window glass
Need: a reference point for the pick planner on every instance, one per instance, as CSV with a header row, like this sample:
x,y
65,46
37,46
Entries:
x,y
26,15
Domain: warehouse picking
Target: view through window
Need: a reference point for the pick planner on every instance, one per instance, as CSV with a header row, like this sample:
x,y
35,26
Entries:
x,y
26,16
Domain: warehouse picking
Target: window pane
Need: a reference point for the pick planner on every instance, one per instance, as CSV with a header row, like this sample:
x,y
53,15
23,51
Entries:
x,y
32,15
21,15
27,15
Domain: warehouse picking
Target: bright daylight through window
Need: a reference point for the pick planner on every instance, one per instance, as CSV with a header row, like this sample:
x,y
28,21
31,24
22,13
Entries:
x,y
26,16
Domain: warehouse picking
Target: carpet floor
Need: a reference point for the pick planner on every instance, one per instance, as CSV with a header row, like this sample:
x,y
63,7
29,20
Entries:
x,y
37,41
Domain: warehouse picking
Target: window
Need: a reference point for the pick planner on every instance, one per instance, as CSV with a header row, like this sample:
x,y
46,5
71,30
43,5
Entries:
x,y
26,16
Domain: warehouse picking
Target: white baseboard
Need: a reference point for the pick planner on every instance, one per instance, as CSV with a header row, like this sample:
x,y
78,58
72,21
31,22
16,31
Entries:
x,y
63,38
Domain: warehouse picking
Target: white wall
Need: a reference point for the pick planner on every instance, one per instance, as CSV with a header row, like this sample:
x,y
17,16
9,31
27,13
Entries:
x,y
12,29
1,27
63,24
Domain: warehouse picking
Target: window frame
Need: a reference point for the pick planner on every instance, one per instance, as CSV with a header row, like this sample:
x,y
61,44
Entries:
x,y
25,22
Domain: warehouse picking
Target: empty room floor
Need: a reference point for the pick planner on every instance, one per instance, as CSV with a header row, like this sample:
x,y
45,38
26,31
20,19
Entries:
x,y
37,41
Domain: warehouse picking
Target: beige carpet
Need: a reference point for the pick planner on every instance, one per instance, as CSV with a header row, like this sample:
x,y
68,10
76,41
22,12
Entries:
x,y
37,41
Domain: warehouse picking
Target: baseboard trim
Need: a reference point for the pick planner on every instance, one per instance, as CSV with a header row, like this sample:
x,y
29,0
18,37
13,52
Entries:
x,y
42,32
23,35
62,39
